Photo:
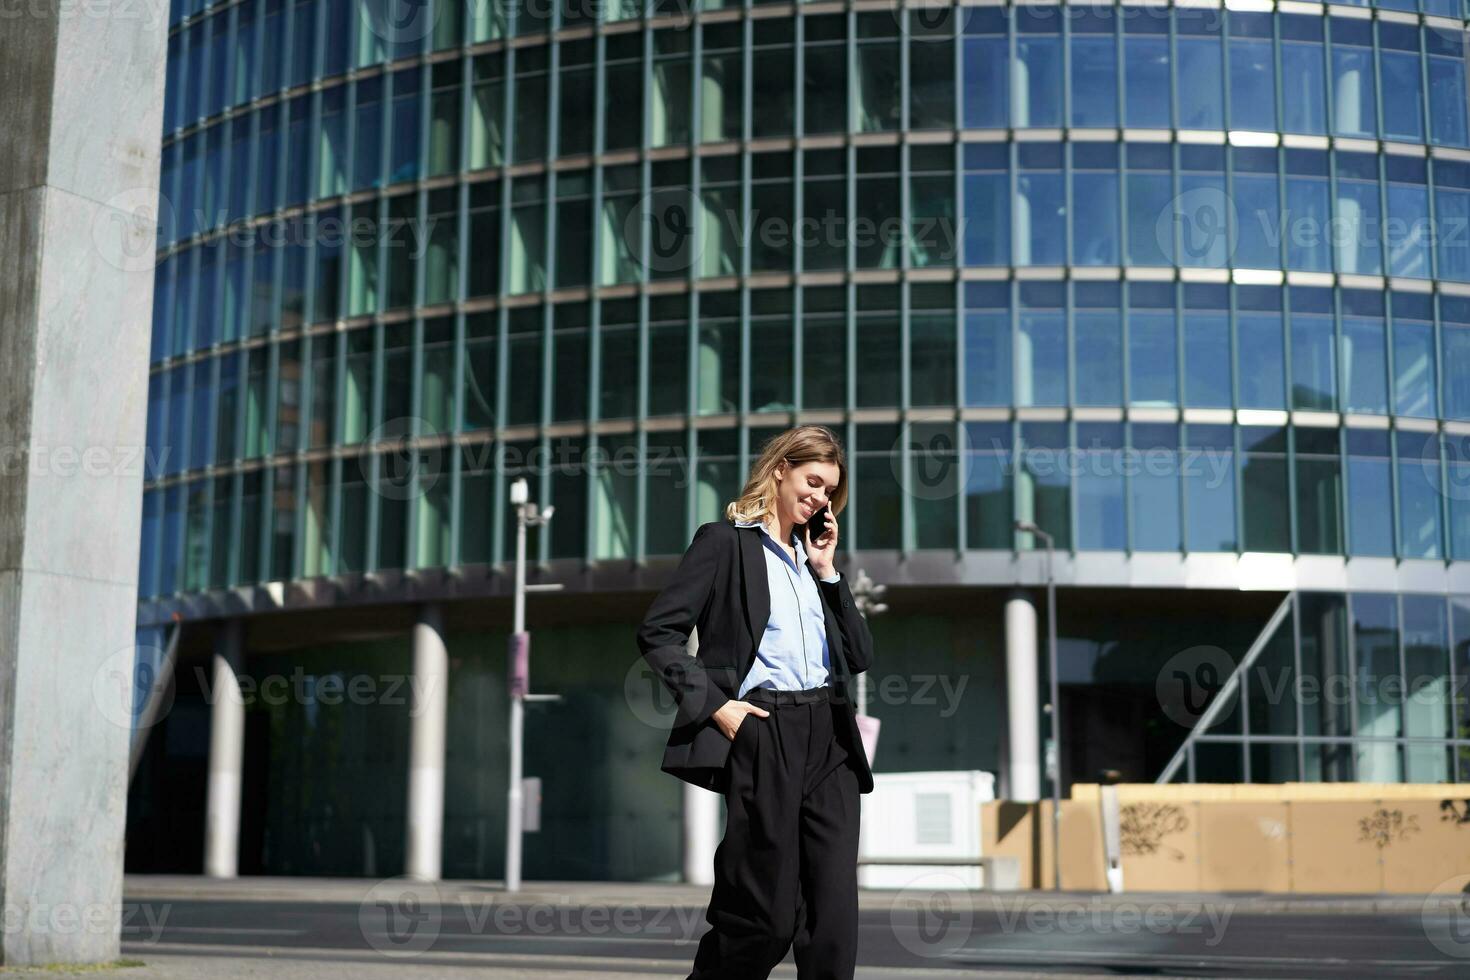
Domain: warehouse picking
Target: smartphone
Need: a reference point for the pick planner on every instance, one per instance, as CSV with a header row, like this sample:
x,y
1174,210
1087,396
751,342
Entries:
x,y
816,525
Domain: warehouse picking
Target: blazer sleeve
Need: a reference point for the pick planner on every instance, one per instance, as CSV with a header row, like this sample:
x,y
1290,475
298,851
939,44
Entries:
x,y
857,642
664,633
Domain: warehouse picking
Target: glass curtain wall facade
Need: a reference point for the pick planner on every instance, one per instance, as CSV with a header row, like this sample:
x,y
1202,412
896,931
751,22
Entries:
x,y
1361,686
1175,283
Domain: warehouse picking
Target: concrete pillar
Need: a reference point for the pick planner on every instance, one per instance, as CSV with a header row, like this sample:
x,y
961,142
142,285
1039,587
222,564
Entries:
x,y
701,834
81,114
701,818
226,753
1023,764
427,724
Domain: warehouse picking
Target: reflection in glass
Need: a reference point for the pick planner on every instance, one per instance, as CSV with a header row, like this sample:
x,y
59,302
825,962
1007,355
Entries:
x,y
1100,509
1369,493
1376,685
1153,486
1318,491
1208,465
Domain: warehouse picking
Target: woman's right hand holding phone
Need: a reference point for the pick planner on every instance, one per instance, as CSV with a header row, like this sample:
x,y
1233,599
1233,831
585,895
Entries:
x,y
730,715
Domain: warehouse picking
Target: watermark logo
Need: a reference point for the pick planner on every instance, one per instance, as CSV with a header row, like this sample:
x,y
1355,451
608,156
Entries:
x,y
933,915
399,22
1455,465
122,682
1204,217
939,460
404,471
401,917
1445,916
667,217
129,226
652,701
1190,680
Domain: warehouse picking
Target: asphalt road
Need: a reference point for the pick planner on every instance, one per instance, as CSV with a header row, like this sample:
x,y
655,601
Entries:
x,y
1067,938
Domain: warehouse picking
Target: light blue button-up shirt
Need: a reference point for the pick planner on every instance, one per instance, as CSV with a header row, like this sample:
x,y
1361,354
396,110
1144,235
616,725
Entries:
x,y
792,655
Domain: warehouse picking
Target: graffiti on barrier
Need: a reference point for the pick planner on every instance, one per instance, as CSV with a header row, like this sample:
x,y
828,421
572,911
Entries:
x,y
1143,828
1384,826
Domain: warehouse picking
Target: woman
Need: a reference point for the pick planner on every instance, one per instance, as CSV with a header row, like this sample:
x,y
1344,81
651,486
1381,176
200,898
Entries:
x,y
764,715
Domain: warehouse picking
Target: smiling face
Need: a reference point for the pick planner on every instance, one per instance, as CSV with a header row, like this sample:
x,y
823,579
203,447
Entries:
x,y
803,490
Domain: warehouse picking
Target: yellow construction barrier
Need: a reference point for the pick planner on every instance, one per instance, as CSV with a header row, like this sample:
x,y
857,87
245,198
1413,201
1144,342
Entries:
x,y
1293,837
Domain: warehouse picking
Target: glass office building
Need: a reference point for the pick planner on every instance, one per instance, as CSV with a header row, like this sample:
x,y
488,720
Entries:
x,y
1188,287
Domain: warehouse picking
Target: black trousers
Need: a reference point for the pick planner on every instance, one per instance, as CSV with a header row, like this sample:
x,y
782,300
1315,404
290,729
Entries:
x,y
786,871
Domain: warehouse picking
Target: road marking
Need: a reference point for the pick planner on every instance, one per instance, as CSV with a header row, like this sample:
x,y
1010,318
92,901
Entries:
x,y
978,955
221,930
445,957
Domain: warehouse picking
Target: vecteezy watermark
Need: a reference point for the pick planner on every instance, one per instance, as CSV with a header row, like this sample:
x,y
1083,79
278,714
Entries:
x,y
1110,917
1445,916
123,682
150,12
508,917
161,224
129,227
934,914
678,228
1446,457
401,916
1188,682
139,922
67,461
652,701
1204,218
411,466
329,688
1205,226
941,461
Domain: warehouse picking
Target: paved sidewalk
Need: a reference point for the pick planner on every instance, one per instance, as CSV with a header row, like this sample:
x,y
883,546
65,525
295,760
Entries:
x,y
153,888
173,967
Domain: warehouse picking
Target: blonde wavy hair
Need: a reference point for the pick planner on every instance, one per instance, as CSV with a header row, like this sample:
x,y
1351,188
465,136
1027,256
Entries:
x,y
798,446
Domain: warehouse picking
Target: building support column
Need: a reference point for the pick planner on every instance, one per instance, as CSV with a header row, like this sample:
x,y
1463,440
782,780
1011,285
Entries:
x,y
226,753
81,114
1023,762
427,724
701,834
701,818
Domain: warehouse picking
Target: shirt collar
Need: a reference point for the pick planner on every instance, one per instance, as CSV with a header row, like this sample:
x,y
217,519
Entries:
x,y
795,537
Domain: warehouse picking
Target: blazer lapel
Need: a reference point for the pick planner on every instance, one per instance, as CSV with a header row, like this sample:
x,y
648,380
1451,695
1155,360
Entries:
x,y
753,581
834,635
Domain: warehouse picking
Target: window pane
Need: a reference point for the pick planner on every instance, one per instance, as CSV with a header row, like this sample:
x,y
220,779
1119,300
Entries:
x,y
1375,640
1154,487
1043,483
1265,508
1369,493
1318,491
1208,465
988,486
1100,518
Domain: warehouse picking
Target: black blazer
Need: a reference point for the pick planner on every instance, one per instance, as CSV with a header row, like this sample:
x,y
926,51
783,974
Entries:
x,y
721,587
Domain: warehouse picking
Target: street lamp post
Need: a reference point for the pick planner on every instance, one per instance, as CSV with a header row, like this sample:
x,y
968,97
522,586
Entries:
x,y
869,599
1056,704
527,515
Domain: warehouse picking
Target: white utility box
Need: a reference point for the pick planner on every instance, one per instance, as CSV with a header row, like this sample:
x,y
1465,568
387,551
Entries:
x,y
924,815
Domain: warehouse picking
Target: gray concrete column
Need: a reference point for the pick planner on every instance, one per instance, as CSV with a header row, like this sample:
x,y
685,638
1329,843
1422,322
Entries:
x,y
81,113
226,753
428,721
1023,762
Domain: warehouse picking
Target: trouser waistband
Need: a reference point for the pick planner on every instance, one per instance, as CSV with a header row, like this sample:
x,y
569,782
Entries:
x,y
766,695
